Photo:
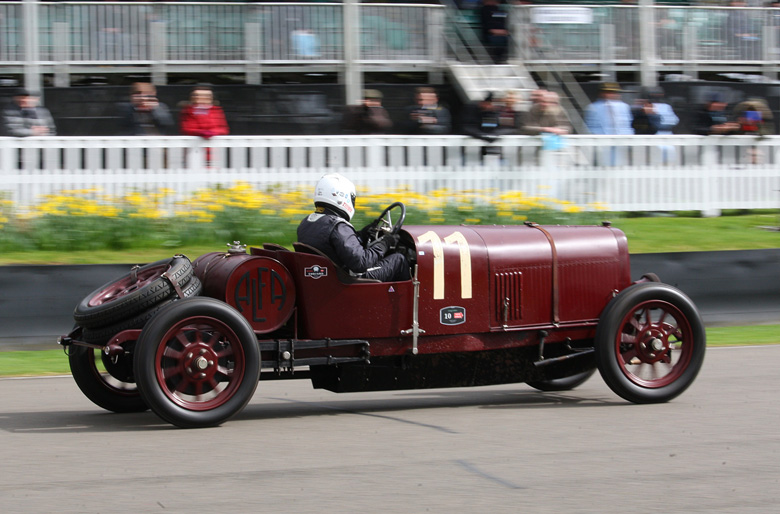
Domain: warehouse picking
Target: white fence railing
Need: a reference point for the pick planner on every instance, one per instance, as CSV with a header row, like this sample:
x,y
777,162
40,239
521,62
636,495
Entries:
x,y
633,173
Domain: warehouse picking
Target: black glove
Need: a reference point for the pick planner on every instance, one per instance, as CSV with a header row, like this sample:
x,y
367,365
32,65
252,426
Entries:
x,y
364,234
391,240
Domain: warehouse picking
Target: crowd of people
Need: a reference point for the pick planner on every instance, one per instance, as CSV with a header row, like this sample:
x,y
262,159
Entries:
x,y
143,115
536,113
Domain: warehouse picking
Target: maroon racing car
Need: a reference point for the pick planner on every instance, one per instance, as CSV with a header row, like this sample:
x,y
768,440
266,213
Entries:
x,y
544,305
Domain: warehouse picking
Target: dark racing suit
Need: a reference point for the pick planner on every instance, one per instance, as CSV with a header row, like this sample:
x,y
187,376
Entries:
x,y
335,237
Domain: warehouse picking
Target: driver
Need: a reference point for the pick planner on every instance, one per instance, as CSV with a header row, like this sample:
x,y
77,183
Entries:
x,y
329,230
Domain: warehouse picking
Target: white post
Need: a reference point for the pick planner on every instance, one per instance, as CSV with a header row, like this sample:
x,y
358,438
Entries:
x,y
159,52
647,54
61,39
607,51
353,77
252,52
32,51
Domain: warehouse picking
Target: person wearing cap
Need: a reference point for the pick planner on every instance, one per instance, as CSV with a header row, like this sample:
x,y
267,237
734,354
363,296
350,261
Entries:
x,y
369,117
712,118
26,118
609,115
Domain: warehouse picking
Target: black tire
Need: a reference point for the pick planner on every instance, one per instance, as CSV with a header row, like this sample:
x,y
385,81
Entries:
x,y
197,363
132,293
563,384
102,335
650,343
114,393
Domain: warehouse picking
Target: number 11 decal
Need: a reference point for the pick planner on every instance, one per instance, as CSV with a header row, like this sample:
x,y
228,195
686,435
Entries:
x,y
438,262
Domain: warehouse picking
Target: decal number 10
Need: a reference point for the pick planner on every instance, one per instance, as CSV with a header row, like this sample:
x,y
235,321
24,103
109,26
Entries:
x,y
438,262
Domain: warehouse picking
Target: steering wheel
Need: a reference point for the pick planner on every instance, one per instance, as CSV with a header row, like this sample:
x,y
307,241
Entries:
x,y
384,225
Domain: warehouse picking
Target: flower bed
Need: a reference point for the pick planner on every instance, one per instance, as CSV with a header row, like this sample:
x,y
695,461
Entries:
x,y
88,219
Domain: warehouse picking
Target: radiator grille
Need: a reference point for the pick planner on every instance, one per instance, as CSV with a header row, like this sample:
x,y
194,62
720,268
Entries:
x,y
507,286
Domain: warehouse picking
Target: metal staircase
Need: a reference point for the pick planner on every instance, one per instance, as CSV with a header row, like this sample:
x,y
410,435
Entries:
x,y
474,81
470,66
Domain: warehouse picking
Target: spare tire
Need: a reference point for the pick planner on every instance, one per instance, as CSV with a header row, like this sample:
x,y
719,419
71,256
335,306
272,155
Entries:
x,y
101,335
133,293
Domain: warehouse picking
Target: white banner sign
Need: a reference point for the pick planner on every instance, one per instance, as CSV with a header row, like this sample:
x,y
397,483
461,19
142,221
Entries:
x,y
573,15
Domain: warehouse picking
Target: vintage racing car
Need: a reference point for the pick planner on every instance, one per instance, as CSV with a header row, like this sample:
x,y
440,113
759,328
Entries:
x,y
544,305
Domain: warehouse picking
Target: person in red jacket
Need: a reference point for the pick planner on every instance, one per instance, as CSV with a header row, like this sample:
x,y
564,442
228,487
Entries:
x,y
202,118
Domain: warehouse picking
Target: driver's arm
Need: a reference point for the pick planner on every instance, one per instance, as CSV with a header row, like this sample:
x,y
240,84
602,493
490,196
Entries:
x,y
351,253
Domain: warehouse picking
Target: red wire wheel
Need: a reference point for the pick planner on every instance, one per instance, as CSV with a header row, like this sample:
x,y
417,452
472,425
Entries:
x,y
197,363
650,343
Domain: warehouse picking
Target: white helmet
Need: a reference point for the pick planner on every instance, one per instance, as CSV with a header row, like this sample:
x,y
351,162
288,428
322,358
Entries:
x,y
337,192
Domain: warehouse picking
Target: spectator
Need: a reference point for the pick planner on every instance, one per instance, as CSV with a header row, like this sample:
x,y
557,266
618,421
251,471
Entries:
x,y
712,119
667,118
754,117
145,115
427,116
546,116
508,115
481,120
201,117
609,115
652,115
494,30
369,117
24,117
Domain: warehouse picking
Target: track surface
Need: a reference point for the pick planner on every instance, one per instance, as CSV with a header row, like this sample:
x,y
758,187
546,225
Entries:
x,y
508,449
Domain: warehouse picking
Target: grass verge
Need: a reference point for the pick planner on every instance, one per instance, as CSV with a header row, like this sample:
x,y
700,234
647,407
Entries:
x,y
645,235
54,362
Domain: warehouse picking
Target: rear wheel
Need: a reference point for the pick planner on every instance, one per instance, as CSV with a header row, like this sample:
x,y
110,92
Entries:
x,y
106,380
650,343
197,363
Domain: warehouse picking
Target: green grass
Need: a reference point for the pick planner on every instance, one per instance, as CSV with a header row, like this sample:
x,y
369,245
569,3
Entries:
x,y
686,234
645,235
54,362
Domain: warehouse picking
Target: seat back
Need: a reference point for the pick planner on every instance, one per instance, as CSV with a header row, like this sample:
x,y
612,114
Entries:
x,y
344,276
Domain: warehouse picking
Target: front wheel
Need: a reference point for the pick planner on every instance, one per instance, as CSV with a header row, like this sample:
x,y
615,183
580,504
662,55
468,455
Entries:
x,y
650,343
197,363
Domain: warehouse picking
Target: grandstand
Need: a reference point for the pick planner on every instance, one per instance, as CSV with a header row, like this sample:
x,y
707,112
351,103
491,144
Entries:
x,y
307,59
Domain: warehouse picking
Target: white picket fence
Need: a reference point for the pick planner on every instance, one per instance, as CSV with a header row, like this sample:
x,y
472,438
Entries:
x,y
635,173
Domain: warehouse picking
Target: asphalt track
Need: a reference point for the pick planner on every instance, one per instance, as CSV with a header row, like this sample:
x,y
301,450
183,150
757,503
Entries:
x,y
715,449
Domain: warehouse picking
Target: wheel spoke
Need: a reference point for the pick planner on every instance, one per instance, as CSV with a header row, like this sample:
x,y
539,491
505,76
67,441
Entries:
x,y
173,353
182,338
225,352
636,324
214,339
183,385
170,372
630,354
